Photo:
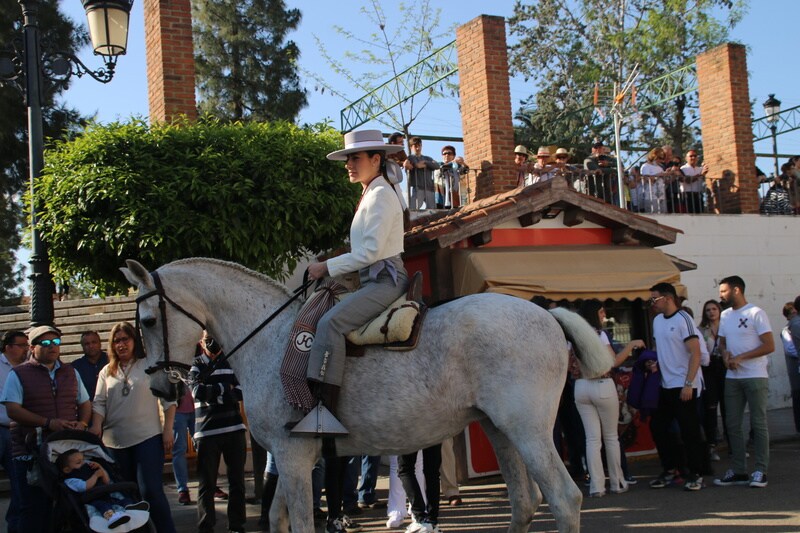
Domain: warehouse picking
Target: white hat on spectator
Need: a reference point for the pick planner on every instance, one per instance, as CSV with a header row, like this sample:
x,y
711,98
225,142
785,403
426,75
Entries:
x,y
562,151
521,150
543,151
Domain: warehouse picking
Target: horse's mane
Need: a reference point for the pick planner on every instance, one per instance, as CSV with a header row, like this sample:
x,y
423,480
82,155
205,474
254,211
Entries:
x,y
190,261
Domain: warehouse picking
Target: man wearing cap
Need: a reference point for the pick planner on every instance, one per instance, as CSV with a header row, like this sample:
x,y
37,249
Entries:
x,y
523,167
14,346
41,395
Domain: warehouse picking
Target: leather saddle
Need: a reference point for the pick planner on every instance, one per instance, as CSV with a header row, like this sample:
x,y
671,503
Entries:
x,y
397,328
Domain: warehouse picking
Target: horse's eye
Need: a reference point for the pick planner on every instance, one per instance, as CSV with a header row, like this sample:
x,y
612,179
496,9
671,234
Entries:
x,y
149,322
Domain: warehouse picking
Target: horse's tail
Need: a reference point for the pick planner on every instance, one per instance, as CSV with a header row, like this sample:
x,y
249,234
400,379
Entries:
x,y
594,358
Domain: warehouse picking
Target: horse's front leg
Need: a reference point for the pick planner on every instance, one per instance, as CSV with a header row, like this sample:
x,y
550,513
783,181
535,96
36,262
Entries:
x,y
278,512
294,490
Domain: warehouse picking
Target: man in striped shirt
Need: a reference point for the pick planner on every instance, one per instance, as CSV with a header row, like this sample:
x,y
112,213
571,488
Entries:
x,y
219,430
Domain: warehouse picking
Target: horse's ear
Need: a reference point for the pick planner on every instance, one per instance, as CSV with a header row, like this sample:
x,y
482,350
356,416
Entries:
x,y
137,274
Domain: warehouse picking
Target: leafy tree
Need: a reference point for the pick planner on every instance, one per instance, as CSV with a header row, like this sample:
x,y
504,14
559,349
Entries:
x,y
569,46
58,33
245,68
397,42
260,194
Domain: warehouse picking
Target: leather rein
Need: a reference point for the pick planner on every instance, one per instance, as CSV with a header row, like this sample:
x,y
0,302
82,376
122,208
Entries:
x,y
177,371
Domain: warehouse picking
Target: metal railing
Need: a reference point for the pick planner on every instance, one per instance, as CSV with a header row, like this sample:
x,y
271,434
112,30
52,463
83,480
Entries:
x,y
648,195
787,120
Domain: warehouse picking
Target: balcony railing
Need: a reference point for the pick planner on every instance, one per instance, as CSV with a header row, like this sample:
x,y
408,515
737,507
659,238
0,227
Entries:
x,y
649,195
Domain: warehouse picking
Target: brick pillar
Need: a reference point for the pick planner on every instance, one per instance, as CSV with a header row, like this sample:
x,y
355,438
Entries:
x,y
170,59
726,123
486,105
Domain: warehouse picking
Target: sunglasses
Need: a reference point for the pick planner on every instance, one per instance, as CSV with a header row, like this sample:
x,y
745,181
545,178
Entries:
x,y
49,342
561,157
448,153
120,340
652,301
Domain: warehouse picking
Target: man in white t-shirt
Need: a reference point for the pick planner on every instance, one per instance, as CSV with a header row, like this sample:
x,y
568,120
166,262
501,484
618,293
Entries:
x,y
745,339
679,354
693,182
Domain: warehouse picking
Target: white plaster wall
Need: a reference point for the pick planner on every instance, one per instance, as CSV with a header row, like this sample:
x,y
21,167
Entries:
x,y
764,251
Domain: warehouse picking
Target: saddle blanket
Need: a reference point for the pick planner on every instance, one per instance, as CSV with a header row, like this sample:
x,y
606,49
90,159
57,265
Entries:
x,y
295,361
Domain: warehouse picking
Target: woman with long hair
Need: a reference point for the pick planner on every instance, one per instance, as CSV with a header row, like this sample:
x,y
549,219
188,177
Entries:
x,y
126,416
713,376
598,405
376,245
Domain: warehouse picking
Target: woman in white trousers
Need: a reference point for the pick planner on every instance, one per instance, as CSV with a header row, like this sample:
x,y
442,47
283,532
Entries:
x,y
598,405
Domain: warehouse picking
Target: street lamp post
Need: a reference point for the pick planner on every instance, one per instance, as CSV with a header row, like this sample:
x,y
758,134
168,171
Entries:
x,y
771,109
27,69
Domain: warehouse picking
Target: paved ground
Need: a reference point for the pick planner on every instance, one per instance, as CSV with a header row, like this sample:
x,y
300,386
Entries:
x,y
714,509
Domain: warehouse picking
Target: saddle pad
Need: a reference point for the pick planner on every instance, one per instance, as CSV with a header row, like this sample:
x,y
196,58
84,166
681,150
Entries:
x,y
395,324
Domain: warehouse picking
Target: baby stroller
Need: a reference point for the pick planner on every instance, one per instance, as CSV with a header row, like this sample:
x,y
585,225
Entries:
x,y
70,513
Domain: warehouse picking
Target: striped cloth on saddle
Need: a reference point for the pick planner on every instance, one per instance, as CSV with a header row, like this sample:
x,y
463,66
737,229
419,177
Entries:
x,y
295,361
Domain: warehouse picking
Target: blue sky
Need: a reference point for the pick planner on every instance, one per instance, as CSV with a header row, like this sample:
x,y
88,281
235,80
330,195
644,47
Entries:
x,y
769,63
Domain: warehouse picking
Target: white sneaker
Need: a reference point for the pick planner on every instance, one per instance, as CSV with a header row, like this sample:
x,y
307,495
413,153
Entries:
x,y
415,527
429,527
395,521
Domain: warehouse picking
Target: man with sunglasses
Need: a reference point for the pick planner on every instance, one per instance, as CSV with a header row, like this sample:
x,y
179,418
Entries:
x,y
679,355
446,179
41,394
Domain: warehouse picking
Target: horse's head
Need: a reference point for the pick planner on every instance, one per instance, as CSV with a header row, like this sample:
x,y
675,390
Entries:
x,y
170,330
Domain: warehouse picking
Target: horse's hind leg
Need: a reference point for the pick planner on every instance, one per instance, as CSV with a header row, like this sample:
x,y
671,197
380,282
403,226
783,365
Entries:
x,y
534,443
523,493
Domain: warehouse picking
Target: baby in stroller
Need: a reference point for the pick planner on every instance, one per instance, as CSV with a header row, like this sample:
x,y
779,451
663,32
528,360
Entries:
x,y
84,494
80,475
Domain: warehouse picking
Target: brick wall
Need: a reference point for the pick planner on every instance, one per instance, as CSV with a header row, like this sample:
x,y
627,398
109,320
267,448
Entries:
x,y
170,59
486,105
726,121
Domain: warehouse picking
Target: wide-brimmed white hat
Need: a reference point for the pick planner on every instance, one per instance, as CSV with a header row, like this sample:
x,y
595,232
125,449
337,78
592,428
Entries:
x,y
363,140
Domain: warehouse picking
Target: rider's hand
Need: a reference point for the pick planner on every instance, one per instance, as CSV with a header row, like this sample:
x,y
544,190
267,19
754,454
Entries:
x,y
317,270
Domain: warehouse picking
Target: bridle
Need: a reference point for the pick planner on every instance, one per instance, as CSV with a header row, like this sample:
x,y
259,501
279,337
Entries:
x,y
177,371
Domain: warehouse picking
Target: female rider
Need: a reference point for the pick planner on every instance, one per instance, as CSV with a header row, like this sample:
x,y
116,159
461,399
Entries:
x,y
376,242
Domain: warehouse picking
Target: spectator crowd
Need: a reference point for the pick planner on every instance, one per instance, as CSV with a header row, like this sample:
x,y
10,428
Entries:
x,y
661,182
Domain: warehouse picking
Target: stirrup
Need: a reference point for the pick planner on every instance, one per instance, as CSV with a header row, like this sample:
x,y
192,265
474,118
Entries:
x,y
319,422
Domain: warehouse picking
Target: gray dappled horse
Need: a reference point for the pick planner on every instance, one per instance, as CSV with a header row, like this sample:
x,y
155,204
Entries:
x,y
490,358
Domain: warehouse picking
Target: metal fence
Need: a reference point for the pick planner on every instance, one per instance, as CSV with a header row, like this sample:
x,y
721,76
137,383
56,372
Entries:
x,y
667,193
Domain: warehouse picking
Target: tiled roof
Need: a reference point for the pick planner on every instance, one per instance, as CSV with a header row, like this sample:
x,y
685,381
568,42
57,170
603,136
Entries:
x,y
529,204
